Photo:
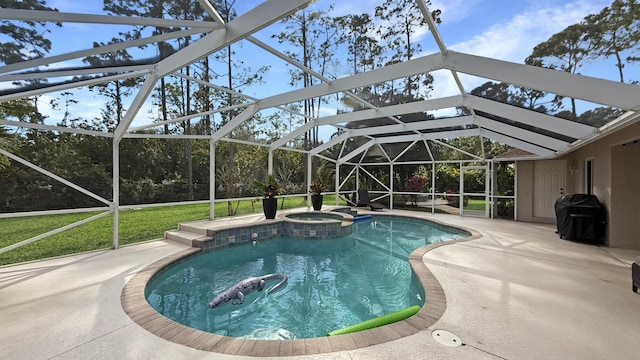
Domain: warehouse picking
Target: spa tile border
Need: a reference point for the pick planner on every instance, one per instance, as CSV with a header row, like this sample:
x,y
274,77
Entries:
x,y
138,309
282,226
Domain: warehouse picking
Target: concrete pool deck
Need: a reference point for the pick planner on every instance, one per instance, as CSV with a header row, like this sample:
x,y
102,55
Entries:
x,y
517,292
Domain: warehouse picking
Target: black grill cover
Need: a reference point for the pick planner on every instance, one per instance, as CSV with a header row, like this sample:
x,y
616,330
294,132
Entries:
x,y
580,217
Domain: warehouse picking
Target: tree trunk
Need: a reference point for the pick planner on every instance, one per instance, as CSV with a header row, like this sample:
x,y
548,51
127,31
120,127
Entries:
x,y
163,105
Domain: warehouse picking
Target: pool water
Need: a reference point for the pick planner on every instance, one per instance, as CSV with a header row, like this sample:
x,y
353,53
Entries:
x,y
331,283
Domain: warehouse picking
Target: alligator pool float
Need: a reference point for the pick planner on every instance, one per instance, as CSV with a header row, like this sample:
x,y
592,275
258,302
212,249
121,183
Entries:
x,y
239,290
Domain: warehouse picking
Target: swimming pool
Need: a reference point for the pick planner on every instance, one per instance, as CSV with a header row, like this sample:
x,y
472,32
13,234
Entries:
x,y
332,283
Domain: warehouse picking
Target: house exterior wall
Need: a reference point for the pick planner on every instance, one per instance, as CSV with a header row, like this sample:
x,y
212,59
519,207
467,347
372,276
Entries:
x,y
525,181
616,183
624,213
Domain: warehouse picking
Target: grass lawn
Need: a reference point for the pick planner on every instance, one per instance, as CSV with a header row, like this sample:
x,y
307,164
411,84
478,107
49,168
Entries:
x,y
144,224
475,204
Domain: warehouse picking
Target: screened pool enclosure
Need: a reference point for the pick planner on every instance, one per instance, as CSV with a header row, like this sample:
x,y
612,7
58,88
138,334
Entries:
x,y
453,150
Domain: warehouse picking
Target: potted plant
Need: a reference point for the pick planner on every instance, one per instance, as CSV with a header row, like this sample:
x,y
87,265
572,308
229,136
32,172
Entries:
x,y
268,190
316,194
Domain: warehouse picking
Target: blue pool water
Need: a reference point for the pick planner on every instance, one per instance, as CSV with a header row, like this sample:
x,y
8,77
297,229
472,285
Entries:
x,y
332,283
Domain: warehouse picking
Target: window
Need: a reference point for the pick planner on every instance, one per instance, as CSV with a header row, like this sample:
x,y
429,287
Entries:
x,y
588,176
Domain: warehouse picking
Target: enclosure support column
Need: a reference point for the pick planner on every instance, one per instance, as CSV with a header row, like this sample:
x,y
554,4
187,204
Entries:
x,y
115,204
515,191
391,186
357,183
270,163
337,182
212,178
460,190
308,180
491,180
433,187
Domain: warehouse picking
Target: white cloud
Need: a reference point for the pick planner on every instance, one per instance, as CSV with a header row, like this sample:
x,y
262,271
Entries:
x,y
514,40
353,7
444,84
454,11
88,106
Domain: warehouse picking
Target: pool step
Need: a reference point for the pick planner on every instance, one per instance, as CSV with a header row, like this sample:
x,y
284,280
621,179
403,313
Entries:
x,y
196,227
184,237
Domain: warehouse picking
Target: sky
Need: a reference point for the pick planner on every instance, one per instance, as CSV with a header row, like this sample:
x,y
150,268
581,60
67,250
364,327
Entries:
x,y
501,29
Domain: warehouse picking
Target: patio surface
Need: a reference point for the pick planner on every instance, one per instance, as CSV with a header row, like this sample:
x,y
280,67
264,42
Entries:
x,y
517,292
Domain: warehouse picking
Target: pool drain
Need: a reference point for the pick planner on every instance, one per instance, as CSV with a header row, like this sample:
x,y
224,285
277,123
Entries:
x,y
446,338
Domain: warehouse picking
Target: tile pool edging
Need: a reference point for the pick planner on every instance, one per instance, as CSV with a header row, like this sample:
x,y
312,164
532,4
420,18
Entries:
x,y
135,305
282,225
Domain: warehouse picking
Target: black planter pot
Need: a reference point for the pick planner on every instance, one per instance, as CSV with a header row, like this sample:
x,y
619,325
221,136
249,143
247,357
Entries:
x,y
270,206
316,201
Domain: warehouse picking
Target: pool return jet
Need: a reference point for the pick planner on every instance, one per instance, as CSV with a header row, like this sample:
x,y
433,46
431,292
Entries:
x,y
239,290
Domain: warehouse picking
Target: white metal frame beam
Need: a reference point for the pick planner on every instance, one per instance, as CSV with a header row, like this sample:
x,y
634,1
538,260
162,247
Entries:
x,y
72,85
361,149
309,71
96,50
56,16
29,125
599,91
331,143
517,143
391,72
251,99
254,20
530,136
474,156
415,126
245,115
532,118
187,117
73,72
428,136
54,176
221,34
392,110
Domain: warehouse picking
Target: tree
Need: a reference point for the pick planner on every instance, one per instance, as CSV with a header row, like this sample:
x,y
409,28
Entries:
x,y
313,39
311,36
236,75
616,30
415,184
115,90
501,92
599,116
566,51
364,54
183,9
510,94
357,32
402,20
15,110
28,41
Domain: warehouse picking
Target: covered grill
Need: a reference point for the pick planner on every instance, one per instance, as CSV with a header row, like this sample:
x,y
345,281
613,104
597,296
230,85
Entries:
x,y
580,217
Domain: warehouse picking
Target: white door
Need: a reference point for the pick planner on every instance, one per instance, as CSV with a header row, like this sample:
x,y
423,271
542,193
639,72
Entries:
x,y
548,187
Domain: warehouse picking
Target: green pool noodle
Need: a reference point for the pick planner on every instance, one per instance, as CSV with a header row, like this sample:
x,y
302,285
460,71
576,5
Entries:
x,y
378,321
